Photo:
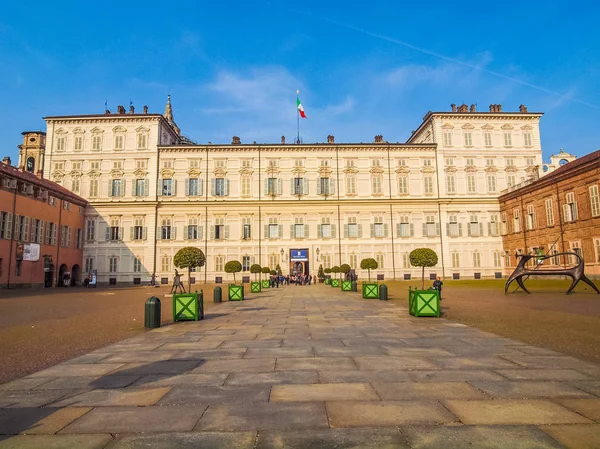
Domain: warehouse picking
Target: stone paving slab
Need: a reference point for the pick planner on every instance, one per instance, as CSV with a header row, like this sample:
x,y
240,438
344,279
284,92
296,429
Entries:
x,y
183,395
529,389
590,408
56,442
407,391
275,378
575,436
138,397
204,440
324,392
332,439
86,382
38,420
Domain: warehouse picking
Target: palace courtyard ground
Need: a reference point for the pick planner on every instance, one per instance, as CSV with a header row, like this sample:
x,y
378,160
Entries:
x,y
302,367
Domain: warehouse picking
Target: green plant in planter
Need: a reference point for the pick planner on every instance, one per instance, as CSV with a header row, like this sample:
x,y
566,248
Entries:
x,y
423,257
335,270
321,273
189,257
255,269
265,270
368,264
345,268
233,266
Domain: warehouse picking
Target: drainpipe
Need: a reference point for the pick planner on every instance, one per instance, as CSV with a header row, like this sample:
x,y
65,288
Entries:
x,y
58,234
206,223
12,235
391,211
259,215
337,170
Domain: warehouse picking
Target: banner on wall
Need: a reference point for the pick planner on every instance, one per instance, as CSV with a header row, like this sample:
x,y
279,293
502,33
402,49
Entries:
x,y
31,252
299,255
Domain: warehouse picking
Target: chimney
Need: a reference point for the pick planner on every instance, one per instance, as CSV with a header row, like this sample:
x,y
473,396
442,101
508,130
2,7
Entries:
x,y
473,108
378,138
235,140
453,106
282,139
6,160
120,109
330,139
463,108
107,112
499,107
131,110
145,109
523,109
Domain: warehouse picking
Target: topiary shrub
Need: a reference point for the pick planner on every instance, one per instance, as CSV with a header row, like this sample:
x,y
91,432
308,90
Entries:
x,y
255,269
423,257
368,264
335,269
321,273
233,266
345,268
189,257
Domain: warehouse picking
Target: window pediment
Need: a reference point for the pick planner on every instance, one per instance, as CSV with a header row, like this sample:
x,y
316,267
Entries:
x,y
507,126
142,129
447,126
119,129
526,127
79,131
487,127
467,126
96,130
61,131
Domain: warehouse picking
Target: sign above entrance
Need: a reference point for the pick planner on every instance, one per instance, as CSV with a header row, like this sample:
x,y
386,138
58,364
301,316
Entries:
x,y
299,254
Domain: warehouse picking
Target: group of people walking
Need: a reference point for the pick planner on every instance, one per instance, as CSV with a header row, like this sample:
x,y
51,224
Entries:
x,y
295,279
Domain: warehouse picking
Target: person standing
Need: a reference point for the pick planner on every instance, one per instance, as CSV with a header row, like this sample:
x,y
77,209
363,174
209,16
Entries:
x,y
437,284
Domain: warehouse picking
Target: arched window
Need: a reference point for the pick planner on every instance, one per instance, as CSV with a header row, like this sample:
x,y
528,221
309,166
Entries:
x,y
30,164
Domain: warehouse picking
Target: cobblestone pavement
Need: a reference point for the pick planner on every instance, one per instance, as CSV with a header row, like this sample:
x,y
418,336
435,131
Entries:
x,y
308,367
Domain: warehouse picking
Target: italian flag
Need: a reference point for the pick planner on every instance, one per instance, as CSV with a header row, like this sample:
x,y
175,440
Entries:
x,y
300,108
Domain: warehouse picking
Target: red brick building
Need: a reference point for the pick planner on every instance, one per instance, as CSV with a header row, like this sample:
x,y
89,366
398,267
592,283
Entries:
x,y
41,229
556,213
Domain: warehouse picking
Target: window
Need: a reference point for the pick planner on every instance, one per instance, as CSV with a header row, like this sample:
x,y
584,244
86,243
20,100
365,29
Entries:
x,y
246,261
476,259
79,238
76,165
450,162
527,139
517,220
221,232
299,229
141,187
503,224
594,200
493,226
59,166
66,205
89,264
475,228
405,229
350,163
137,264
471,184
299,186
274,163
379,259
491,183
510,162
375,162
93,188
113,264
530,162
451,183
326,259
326,229
168,187
353,262
353,229
576,248
138,231
21,228
402,163
447,139
195,163
141,164
549,212
497,259
428,185
468,139
192,233
570,208
5,225
272,229
489,162
273,261
167,163
117,187
165,263
96,142
455,260
430,227
245,186
113,231
507,139
350,185
427,163
220,163
246,228
142,141
325,186
597,247
51,234
487,139
117,165
511,181
166,230
403,185
119,142
454,227
531,224
324,162
75,185
193,187
65,236
379,229
377,185
220,187
95,165
61,143
470,162
219,262
406,260
78,143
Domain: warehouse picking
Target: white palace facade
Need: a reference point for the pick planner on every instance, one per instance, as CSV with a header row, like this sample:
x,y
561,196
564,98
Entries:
x,y
151,192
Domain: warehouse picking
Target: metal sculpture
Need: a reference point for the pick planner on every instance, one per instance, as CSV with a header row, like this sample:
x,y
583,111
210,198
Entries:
x,y
177,284
575,272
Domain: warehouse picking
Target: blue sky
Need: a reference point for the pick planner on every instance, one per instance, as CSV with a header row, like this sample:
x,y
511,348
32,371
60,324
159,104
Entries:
x,y
233,67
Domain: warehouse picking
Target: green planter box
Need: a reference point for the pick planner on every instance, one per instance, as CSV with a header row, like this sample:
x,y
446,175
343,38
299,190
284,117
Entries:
x,y
236,292
370,291
266,283
327,281
185,307
335,283
346,286
424,302
255,287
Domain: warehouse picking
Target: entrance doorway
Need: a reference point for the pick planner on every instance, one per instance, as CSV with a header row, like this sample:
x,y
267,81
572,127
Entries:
x,y
299,263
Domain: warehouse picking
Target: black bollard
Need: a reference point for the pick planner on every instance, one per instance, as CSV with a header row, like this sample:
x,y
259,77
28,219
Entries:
x,y
152,313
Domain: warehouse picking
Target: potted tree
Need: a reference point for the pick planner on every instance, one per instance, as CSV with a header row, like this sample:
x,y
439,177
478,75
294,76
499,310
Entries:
x,y
189,257
327,277
346,284
369,290
335,282
423,302
236,292
255,286
321,274
265,282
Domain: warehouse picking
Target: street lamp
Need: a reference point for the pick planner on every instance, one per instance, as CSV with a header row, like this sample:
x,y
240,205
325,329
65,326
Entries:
x,y
317,251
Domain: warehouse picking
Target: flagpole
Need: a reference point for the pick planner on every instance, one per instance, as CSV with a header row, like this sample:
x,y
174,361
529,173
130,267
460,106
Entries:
x,y
298,115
